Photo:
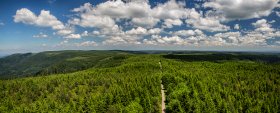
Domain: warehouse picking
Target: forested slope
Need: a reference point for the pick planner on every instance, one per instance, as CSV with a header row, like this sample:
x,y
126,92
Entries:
x,y
53,62
226,86
131,83
132,87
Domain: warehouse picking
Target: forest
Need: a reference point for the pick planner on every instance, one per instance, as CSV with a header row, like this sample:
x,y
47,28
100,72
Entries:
x,y
129,82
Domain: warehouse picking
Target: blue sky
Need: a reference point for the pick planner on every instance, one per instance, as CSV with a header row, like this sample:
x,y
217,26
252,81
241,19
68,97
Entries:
x,y
41,25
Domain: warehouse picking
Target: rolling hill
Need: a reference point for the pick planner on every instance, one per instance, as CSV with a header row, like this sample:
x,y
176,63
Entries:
x,y
52,62
129,82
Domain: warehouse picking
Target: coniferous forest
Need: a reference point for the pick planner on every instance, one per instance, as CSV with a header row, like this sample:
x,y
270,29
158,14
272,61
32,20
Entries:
x,y
130,82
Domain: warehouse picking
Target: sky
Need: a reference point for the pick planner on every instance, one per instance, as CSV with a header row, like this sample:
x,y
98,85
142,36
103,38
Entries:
x,y
219,25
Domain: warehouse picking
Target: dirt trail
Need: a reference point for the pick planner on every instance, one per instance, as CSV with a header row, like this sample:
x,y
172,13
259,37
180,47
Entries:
x,y
162,94
162,99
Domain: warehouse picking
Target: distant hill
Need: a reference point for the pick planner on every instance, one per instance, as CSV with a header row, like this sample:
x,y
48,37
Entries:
x,y
120,82
55,62
51,62
3,55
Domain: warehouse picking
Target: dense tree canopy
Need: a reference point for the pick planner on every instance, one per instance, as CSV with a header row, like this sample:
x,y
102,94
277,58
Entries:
x,y
130,83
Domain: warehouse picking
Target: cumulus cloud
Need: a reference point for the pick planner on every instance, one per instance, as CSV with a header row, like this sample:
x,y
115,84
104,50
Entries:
x,y
140,14
87,43
44,19
64,32
236,26
145,21
228,37
170,22
88,20
263,26
85,33
115,41
154,31
169,10
159,40
41,35
137,31
187,33
278,13
24,15
277,42
242,9
135,22
73,36
196,20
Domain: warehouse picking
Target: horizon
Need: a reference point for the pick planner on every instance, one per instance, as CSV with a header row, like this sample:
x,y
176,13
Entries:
x,y
193,25
218,51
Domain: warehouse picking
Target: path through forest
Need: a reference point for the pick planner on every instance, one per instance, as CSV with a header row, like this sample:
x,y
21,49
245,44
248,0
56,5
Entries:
x,y
162,99
162,94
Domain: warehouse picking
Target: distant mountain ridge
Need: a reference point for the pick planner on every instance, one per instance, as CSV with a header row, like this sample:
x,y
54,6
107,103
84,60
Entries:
x,y
51,62
67,61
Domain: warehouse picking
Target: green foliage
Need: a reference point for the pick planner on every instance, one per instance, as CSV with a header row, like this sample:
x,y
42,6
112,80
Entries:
x,y
228,86
130,87
55,62
118,82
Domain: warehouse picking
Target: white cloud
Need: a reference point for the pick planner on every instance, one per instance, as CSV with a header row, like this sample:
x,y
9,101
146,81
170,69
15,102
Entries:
x,y
145,21
185,33
278,13
236,26
64,32
142,31
159,40
137,31
87,43
24,15
96,32
64,42
242,9
73,36
262,26
141,14
188,33
44,19
208,24
132,36
196,20
170,22
169,10
272,21
229,37
41,35
135,21
277,42
88,20
85,33
119,9
103,14
154,31
117,40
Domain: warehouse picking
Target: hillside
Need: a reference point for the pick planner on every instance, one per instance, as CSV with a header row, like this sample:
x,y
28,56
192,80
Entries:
x,y
52,62
132,83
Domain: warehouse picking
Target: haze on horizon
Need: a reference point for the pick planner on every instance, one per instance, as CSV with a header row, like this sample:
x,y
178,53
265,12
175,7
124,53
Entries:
x,y
219,25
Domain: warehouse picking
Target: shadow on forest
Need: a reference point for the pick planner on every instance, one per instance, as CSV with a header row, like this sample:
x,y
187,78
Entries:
x,y
220,57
